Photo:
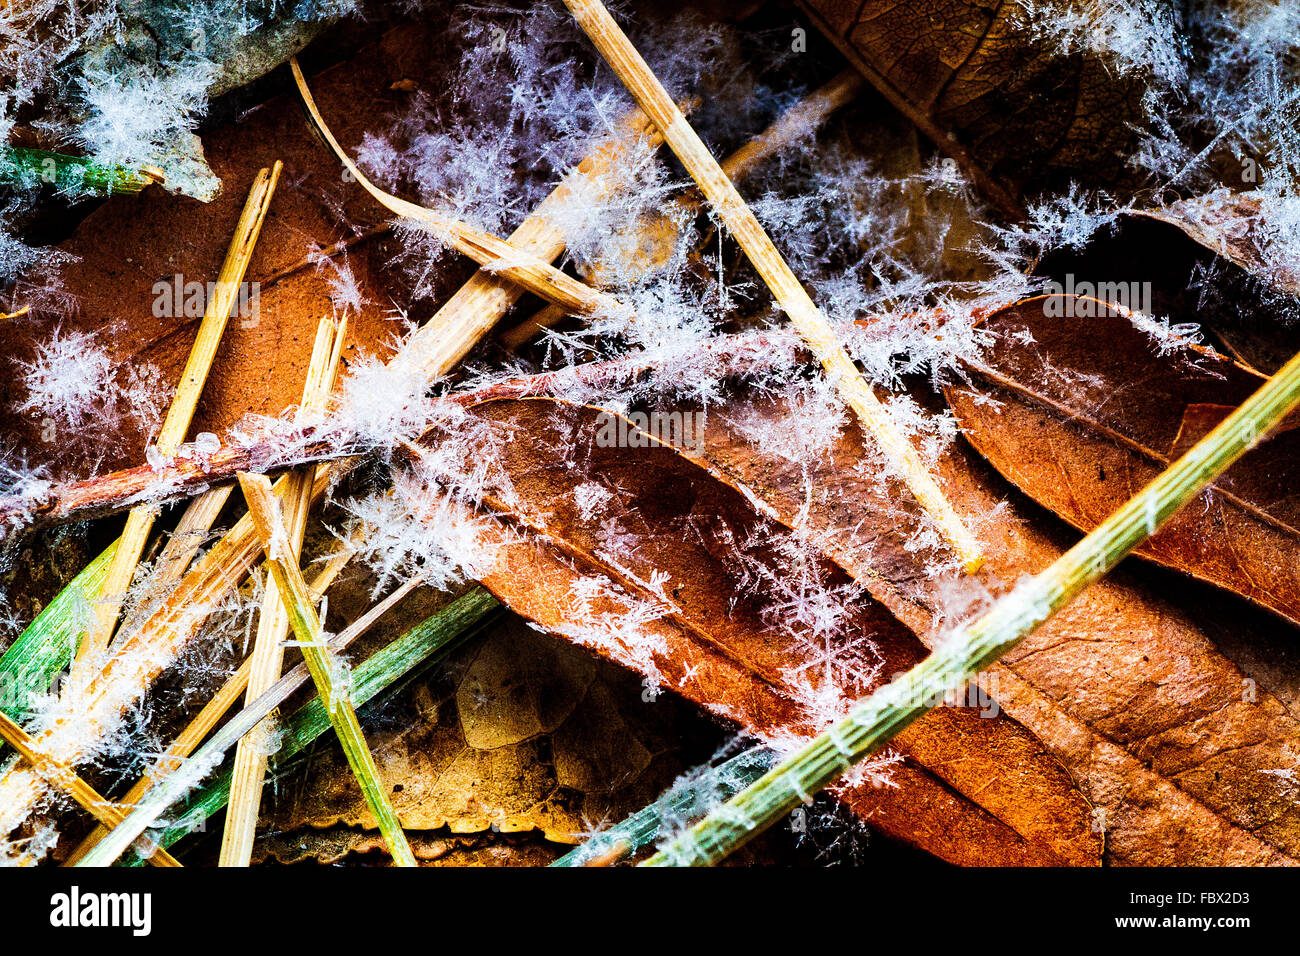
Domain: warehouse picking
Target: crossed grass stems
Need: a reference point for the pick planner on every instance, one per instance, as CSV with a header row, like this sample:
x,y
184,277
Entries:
x,y
755,788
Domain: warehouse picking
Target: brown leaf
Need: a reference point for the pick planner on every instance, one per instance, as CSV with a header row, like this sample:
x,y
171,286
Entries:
x,y
1017,115
675,573
1184,759
1232,226
1080,426
518,733
131,243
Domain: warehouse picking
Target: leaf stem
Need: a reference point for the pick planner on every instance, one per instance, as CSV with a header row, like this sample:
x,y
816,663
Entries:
x,y
974,646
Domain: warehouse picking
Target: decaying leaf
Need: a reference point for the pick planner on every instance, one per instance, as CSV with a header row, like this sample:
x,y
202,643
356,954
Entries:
x,y
140,268
652,561
519,733
1002,100
1160,730
1080,427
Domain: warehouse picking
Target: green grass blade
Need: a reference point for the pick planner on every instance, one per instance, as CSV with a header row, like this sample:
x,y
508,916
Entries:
x,y
72,175
425,643
44,648
691,797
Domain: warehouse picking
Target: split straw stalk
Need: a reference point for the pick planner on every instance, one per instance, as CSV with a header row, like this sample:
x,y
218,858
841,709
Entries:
x,y
327,671
792,126
207,719
273,621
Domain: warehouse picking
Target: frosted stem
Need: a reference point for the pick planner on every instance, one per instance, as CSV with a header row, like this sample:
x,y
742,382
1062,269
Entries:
x,y
976,645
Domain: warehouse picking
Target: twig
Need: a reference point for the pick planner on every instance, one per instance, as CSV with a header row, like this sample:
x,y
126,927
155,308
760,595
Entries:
x,y
978,644
650,95
273,623
326,670
103,495
140,521
65,778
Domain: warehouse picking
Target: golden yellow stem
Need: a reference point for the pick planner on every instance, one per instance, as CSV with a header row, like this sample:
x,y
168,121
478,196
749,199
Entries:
x,y
791,296
181,413
251,753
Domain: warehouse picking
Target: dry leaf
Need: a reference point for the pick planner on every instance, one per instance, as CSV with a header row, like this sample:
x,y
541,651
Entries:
x,y
130,251
518,733
676,574
1080,427
1017,114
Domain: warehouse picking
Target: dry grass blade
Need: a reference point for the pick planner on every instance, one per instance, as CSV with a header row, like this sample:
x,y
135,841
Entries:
x,y
67,779
273,624
792,297
326,669
207,719
498,256
140,521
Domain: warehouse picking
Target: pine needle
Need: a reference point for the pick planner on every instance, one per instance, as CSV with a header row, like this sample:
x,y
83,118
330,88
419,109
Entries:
x,y
791,296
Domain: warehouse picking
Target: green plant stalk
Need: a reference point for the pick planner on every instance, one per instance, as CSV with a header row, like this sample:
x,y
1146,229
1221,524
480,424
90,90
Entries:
x,y
976,645
691,798
75,175
328,672
44,648
429,640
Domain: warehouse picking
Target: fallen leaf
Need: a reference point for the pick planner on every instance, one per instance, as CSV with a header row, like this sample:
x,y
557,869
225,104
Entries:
x,y
131,253
1163,732
1081,427
518,733
1185,760
674,573
1015,113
